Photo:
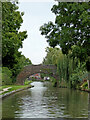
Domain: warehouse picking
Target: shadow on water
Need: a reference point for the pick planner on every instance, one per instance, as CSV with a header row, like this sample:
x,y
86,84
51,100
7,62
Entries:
x,y
47,102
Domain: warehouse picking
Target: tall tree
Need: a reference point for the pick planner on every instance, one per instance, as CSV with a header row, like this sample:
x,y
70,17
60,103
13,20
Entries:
x,y
52,55
71,28
11,37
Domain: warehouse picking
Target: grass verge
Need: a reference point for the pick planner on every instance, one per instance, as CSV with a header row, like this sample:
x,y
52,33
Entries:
x,y
13,87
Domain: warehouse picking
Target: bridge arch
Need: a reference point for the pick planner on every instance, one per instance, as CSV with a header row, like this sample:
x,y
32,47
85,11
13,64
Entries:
x,y
32,69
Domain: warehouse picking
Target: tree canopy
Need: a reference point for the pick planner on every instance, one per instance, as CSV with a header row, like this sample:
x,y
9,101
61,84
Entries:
x,y
71,28
12,38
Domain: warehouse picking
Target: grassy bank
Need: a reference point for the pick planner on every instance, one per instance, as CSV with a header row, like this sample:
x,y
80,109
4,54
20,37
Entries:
x,y
12,88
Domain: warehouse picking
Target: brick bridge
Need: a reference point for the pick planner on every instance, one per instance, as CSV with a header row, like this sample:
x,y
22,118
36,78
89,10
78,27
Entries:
x,y
32,69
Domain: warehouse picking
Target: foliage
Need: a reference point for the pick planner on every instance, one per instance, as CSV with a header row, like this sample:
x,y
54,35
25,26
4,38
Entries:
x,y
54,82
12,38
42,75
71,28
65,67
22,62
27,82
63,62
55,56
6,76
52,55
71,33
74,80
77,77
84,85
71,72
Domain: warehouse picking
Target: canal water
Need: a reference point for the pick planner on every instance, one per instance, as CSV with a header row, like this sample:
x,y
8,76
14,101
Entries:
x,y
45,101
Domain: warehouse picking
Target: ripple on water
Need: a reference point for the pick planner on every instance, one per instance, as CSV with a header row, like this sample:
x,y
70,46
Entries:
x,y
46,102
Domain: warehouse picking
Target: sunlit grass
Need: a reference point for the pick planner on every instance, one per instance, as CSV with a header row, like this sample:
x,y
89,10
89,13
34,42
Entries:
x,y
13,87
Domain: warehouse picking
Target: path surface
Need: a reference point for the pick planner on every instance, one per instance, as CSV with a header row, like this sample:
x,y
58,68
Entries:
x,y
5,89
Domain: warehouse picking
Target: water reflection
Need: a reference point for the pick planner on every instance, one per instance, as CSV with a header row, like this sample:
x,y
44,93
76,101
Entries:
x,y
33,104
44,101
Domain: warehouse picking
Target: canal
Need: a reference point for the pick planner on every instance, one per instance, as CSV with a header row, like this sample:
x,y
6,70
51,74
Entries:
x,y
45,101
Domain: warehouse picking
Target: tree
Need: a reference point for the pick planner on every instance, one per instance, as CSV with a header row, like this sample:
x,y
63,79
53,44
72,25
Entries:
x,y
6,76
12,38
63,63
71,28
22,62
52,55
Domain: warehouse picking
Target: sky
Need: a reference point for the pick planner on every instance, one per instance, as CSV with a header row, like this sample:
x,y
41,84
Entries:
x,y
35,15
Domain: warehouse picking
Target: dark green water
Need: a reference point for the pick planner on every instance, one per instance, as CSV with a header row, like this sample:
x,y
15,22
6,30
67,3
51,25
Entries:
x,y
45,101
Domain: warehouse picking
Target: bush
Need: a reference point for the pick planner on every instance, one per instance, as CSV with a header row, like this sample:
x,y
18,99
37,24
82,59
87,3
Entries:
x,y
74,80
54,82
6,76
77,76
27,82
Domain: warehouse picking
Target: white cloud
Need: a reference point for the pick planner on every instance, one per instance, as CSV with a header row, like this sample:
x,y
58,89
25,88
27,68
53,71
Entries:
x,y
36,14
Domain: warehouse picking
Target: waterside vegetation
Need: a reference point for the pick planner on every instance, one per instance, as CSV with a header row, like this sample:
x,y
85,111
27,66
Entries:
x,y
70,32
71,73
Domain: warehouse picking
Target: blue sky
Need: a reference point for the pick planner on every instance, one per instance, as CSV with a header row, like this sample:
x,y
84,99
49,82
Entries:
x,y
36,14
